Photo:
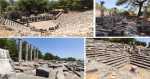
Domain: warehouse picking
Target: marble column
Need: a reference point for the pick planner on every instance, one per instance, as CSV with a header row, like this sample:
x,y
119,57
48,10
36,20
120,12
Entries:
x,y
124,47
115,11
139,50
19,50
128,49
145,12
37,53
110,13
26,51
102,8
34,53
30,52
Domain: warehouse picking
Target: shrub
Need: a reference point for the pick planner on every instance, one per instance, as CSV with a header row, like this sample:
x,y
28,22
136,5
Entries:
x,y
11,12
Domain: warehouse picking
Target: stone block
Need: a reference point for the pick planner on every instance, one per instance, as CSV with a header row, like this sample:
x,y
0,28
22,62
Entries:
x,y
10,75
43,72
90,69
54,66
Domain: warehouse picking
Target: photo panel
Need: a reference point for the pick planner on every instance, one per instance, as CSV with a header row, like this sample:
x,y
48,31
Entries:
x,y
117,58
41,58
122,18
46,18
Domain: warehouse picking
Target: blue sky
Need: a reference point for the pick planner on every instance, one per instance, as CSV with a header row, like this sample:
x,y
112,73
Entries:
x,y
112,3
62,47
144,39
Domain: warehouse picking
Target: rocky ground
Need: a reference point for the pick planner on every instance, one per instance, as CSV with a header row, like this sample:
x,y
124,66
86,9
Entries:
x,y
49,69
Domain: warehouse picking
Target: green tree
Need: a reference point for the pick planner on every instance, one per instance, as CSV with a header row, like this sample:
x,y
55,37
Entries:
x,y
71,59
11,45
64,59
149,45
80,60
143,44
57,57
133,3
12,12
48,56
137,43
40,56
3,5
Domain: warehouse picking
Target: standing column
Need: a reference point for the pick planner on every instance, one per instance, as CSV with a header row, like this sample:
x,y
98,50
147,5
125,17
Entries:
x,y
110,13
115,11
124,47
26,51
139,50
19,50
37,53
30,52
145,12
102,8
34,54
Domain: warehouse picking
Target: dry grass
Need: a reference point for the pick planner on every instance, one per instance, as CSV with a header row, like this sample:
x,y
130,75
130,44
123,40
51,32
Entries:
x,y
65,74
100,70
92,75
89,64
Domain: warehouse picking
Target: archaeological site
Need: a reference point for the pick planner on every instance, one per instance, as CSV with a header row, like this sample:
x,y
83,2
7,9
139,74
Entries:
x,y
44,18
107,59
122,22
30,66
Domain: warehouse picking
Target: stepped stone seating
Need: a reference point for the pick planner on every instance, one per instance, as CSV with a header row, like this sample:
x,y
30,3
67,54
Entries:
x,y
19,28
145,51
75,23
107,53
140,61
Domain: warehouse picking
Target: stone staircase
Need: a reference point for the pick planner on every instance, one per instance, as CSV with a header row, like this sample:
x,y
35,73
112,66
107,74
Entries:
x,y
113,54
117,61
140,61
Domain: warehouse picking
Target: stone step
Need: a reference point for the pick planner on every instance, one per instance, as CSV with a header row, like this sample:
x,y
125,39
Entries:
x,y
97,53
119,60
141,57
118,63
122,65
141,63
114,58
109,57
137,59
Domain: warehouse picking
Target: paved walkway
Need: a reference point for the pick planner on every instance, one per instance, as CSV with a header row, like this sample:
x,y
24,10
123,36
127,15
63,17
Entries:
x,y
131,30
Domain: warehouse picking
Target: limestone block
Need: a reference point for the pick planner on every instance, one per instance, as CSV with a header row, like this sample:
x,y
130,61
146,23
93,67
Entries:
x,y
6,65
42,71
134,69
